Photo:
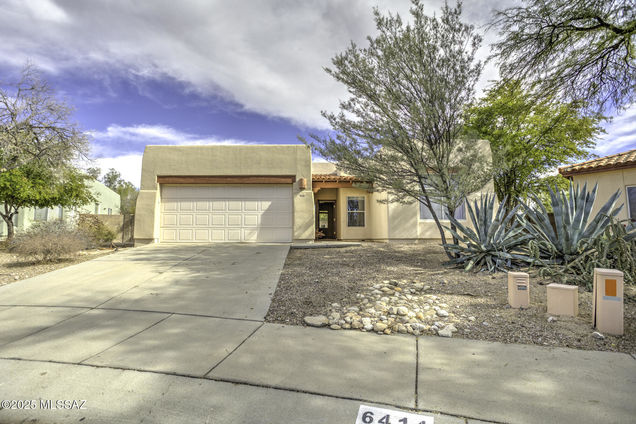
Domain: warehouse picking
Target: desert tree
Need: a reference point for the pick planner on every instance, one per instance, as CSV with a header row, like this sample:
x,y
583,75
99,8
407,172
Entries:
x,y
530,137
575,49
401,125
35,185
36,126
127,191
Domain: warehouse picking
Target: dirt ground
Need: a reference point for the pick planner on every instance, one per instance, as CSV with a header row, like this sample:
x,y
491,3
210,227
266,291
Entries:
x,y
314,279
14,268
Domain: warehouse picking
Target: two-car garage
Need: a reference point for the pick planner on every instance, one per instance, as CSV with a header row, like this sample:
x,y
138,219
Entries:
x,y
218,193
226,213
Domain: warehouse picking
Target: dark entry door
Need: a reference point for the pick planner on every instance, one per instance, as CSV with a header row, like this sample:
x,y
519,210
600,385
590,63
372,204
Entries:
x,y
327,219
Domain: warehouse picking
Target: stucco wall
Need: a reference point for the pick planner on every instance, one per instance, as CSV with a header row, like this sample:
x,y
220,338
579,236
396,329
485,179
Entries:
x,y
245,160
608,183
375,223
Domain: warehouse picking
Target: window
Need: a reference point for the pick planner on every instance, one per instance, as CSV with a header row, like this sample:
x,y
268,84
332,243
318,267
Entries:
x,y
323,219
40,214
631,202
440,211
96,208
60,212
110,211
355,211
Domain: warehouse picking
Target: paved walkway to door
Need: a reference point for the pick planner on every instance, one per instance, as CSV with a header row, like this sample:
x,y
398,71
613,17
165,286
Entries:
x,y
175,333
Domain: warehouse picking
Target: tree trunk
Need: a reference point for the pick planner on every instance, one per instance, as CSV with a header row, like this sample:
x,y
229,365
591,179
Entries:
x,y
427,202
8,219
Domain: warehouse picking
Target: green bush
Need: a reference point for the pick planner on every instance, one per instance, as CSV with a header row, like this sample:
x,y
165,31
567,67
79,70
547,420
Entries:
x,y
48,241
96,230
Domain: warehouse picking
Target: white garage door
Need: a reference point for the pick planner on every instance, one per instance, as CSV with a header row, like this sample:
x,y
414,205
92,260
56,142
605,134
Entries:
x,y
226,213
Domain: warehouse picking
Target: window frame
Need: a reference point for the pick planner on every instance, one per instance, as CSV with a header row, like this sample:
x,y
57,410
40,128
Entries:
x,y
433,203
362,211
35,214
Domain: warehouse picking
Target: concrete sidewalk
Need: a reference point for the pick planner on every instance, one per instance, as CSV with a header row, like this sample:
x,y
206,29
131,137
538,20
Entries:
x,y
294,373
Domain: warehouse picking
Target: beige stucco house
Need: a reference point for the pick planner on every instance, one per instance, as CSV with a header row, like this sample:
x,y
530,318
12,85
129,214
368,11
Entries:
x,y
611,173
107,203
264,193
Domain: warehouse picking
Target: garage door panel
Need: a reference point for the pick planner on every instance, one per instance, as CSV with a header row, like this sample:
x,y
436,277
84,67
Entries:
x,y
234,205
250,220
226,213
185,234
186,206
218,205
169,235
217,235
168,219
218,220
186,220
202,235
233,234
250,205
202,220
234,220
202,206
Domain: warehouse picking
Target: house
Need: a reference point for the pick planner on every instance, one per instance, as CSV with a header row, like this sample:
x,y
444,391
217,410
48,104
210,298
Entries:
x,y
107,203
611,173
264,193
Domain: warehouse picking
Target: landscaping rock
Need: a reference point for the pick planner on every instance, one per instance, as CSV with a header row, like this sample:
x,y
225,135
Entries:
x,y
316,321
402,310
598,335
442,313
445,332
335,327
379,327
552,319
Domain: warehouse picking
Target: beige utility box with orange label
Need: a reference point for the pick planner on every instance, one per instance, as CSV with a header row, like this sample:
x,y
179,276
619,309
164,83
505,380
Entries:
x,y
607,308
518,289
563,299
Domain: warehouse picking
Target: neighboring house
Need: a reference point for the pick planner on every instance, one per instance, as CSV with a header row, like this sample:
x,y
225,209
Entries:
x,y
265,193
108,203
611,173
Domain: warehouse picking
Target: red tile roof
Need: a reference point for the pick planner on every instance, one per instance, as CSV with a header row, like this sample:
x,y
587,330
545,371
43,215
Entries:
x,y
617,161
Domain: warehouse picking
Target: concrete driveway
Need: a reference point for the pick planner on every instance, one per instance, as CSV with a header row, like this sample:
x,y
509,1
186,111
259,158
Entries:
x,y
175,333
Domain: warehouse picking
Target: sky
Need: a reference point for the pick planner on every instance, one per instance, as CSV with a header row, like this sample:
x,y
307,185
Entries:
x,y
207,72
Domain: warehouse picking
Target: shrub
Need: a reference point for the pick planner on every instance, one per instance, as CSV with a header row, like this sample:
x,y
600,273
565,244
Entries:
x,y
95,230
494,244
48,241
575,230
614,249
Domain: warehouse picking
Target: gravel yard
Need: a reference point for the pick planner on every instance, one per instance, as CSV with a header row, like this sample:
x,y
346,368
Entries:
x,y
14,268
405,288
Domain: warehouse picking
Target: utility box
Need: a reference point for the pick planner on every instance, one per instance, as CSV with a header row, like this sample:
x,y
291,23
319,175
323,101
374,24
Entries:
x,y
563,299
518,289
607,307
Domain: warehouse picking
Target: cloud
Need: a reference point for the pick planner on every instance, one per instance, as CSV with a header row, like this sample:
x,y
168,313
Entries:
x,y
129,139
129,166
267,56
116,139
621,134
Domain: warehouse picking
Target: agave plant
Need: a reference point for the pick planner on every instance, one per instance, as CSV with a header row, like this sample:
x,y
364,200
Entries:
x,y
494,243
575,229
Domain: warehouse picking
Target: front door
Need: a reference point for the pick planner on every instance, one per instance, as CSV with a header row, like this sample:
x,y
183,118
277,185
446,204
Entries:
x,y
326,220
